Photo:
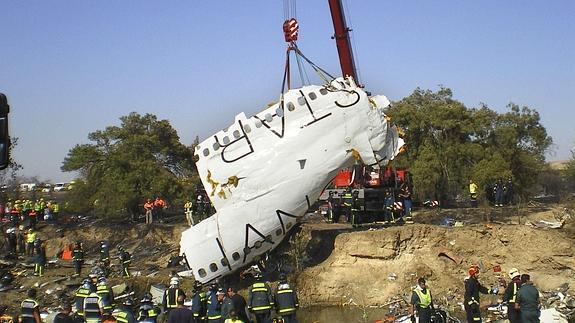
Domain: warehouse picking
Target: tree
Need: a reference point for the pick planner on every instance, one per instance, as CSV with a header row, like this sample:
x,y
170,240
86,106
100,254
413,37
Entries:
x,y
142,158
448,143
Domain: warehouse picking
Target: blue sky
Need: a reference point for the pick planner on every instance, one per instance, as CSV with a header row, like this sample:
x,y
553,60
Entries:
x,y
72,67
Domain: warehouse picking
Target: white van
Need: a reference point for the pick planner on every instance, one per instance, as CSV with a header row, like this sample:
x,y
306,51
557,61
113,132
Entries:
x,y
59,187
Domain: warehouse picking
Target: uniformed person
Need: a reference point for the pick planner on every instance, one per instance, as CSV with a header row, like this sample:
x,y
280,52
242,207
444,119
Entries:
x,y
199,302
510,296
286,300
125,260
355,209
85,289
105,254
93,308
215,302
148,311
260,300
78,257
528,301
30,310
106,294
40,258
421,302
471,299
170,299
124,313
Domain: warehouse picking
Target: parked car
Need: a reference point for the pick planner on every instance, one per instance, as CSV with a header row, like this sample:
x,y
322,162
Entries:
x,y
59,187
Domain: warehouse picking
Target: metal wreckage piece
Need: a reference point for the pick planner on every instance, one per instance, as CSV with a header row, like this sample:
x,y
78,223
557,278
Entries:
x,y
263,173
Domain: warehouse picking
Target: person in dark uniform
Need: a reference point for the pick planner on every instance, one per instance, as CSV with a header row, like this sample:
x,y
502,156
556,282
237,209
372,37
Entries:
x,y
148,312
215,302
286,300
421,302
510,296
63,315
260,300
85,289
355,209
40,257
405,196
106,294
180,313
171,295
346,205
30,309
471,299
388,201
105,254
508,191
124,313
125,260
239,304
528,301
199,302
11,241
498,192
78,257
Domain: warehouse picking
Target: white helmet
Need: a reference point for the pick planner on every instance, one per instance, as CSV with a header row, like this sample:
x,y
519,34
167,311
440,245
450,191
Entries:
x,y
174,281
513,272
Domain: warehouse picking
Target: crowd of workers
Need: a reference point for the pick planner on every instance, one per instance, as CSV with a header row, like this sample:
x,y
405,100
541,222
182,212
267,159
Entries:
x,y
520,296
396,208
499,194
31,211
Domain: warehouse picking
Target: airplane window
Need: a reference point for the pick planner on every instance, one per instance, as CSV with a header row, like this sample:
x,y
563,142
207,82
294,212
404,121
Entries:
x,y
247,128
268,117
279,232
258,123
323,91
236,256
301,100
224,262
280,112
226,140
236,134
312,96
206,152
258,244
288,225
196,157
202,272
213,267
216,146
290,106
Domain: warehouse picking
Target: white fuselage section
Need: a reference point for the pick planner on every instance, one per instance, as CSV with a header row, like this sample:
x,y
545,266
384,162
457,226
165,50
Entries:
x,y
263,172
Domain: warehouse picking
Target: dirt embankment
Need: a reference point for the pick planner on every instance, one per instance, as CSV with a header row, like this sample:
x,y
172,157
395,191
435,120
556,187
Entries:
x,y
370,267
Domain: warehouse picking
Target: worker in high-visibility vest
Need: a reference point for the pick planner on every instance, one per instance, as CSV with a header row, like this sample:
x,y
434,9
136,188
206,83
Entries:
x,y
421,302
30,238
473,193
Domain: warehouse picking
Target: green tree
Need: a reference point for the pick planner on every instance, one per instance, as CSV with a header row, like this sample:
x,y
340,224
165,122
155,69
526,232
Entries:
x,y
141,158
448,143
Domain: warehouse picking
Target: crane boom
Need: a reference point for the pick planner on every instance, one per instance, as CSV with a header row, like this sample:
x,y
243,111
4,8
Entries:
x,y
341,37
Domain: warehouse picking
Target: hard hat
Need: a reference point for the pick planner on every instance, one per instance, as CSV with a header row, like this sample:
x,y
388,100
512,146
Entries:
x,y
11,230
174,281
102,280
197,285
128,301
513,272
282,277
86,283
257,275
220,291
146,298
473,270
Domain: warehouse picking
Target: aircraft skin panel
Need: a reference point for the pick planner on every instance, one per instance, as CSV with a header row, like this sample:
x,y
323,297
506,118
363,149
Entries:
x,y
263,172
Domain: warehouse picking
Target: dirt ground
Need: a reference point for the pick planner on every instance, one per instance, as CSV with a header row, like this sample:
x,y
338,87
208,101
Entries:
x,y
335,265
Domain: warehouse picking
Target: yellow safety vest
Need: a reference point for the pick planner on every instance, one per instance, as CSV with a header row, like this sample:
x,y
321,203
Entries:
x,y
424,299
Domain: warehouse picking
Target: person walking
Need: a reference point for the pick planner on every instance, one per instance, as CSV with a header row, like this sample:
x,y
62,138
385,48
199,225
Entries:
x,y
471,299
78,257
125,261
105,254
528,301
30,309
40,258
260,300
286,300
510,296
421,302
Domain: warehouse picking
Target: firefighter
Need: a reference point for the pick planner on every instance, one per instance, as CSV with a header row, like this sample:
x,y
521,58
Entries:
x,y
106,294
388,201
85,289
260,300
215,302
189,213
286,300
125,260
405,196
421,302
21,236
93,308
40,259
11,241
528,301
30,308
355,209
498,192
347,201
124,313
171,295
78,257
148,312
473,193
199,302
471,299
105,254
510,296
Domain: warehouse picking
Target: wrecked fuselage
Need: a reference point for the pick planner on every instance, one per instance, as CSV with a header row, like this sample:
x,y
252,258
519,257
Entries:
x,y
264,172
